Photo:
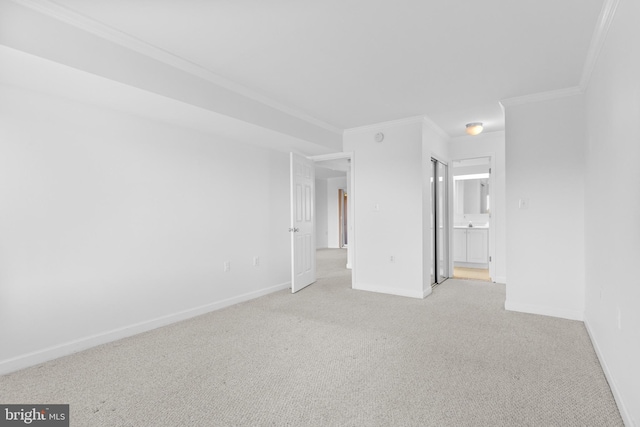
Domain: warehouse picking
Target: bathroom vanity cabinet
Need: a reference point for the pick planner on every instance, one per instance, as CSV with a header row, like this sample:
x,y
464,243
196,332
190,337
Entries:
x,y
471,245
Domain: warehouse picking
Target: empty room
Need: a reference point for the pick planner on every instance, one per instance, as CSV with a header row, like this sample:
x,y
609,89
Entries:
x,y
245,213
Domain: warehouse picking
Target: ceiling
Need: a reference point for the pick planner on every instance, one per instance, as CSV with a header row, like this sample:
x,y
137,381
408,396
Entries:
x,y
335,168
360,62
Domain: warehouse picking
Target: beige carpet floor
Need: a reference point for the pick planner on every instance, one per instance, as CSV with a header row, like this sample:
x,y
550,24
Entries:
x,y
333,356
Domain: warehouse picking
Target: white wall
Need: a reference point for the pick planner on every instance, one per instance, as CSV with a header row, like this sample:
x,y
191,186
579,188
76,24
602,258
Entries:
x,y
322,233
388,175
612,226
152,70
490,144
546,167
333,221
392,206
112,224
327,215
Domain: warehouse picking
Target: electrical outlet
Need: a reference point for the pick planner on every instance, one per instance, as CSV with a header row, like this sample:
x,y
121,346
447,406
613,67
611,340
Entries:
x,y
392,259
256,261
227,266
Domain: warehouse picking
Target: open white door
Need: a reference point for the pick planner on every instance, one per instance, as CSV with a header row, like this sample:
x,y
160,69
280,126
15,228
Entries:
x,y
303,250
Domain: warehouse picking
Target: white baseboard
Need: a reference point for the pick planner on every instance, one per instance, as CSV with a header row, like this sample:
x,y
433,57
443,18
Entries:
x,y
427,290
470,265
390,291
500,279
624,413
544,310
50,353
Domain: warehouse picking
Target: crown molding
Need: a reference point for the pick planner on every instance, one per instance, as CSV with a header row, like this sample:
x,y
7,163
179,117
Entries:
x,y
597,40
437,129
106,32
424,120
541,96
377,126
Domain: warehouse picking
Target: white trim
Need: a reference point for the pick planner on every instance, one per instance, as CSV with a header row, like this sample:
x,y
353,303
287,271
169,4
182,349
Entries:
x,y
541,96
351,219
351,232
613,385
332,156
544,310
50,353
597,40
437,129
484,266
493,240
428,290
99,29
425,120
500,279
494,217
377,126
471,176
106,32
389,291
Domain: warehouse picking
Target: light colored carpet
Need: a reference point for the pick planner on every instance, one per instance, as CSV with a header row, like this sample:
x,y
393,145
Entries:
x,y
471,273
333,356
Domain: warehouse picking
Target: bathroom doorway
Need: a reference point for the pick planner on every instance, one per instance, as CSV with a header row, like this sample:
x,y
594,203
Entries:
x,y
472,202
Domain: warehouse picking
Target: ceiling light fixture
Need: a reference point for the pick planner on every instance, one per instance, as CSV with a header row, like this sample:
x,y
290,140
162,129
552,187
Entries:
x,y
474,128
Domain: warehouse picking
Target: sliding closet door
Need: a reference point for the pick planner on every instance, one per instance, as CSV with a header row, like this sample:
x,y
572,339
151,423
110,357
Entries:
x,y
439,224
432,223
442,238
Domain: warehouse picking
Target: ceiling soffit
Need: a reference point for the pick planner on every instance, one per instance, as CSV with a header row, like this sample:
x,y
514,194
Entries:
x,y
444,114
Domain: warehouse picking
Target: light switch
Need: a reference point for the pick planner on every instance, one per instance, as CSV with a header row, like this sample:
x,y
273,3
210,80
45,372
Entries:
x,y
523,203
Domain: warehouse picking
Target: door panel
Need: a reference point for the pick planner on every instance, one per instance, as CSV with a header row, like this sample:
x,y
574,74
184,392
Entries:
x,y
303,260
443,223
459,245
477,246
432,223
439,222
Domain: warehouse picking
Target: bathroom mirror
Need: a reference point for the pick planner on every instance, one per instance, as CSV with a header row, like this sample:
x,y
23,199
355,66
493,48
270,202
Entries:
x,y
472,195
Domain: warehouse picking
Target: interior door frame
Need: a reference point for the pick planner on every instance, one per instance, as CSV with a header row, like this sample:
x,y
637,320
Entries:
x,y
351,225
492,222
342,195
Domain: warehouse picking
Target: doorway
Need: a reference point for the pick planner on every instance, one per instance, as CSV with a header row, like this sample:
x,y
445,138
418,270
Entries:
x,y
334,206
303,202
343,209
472,203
